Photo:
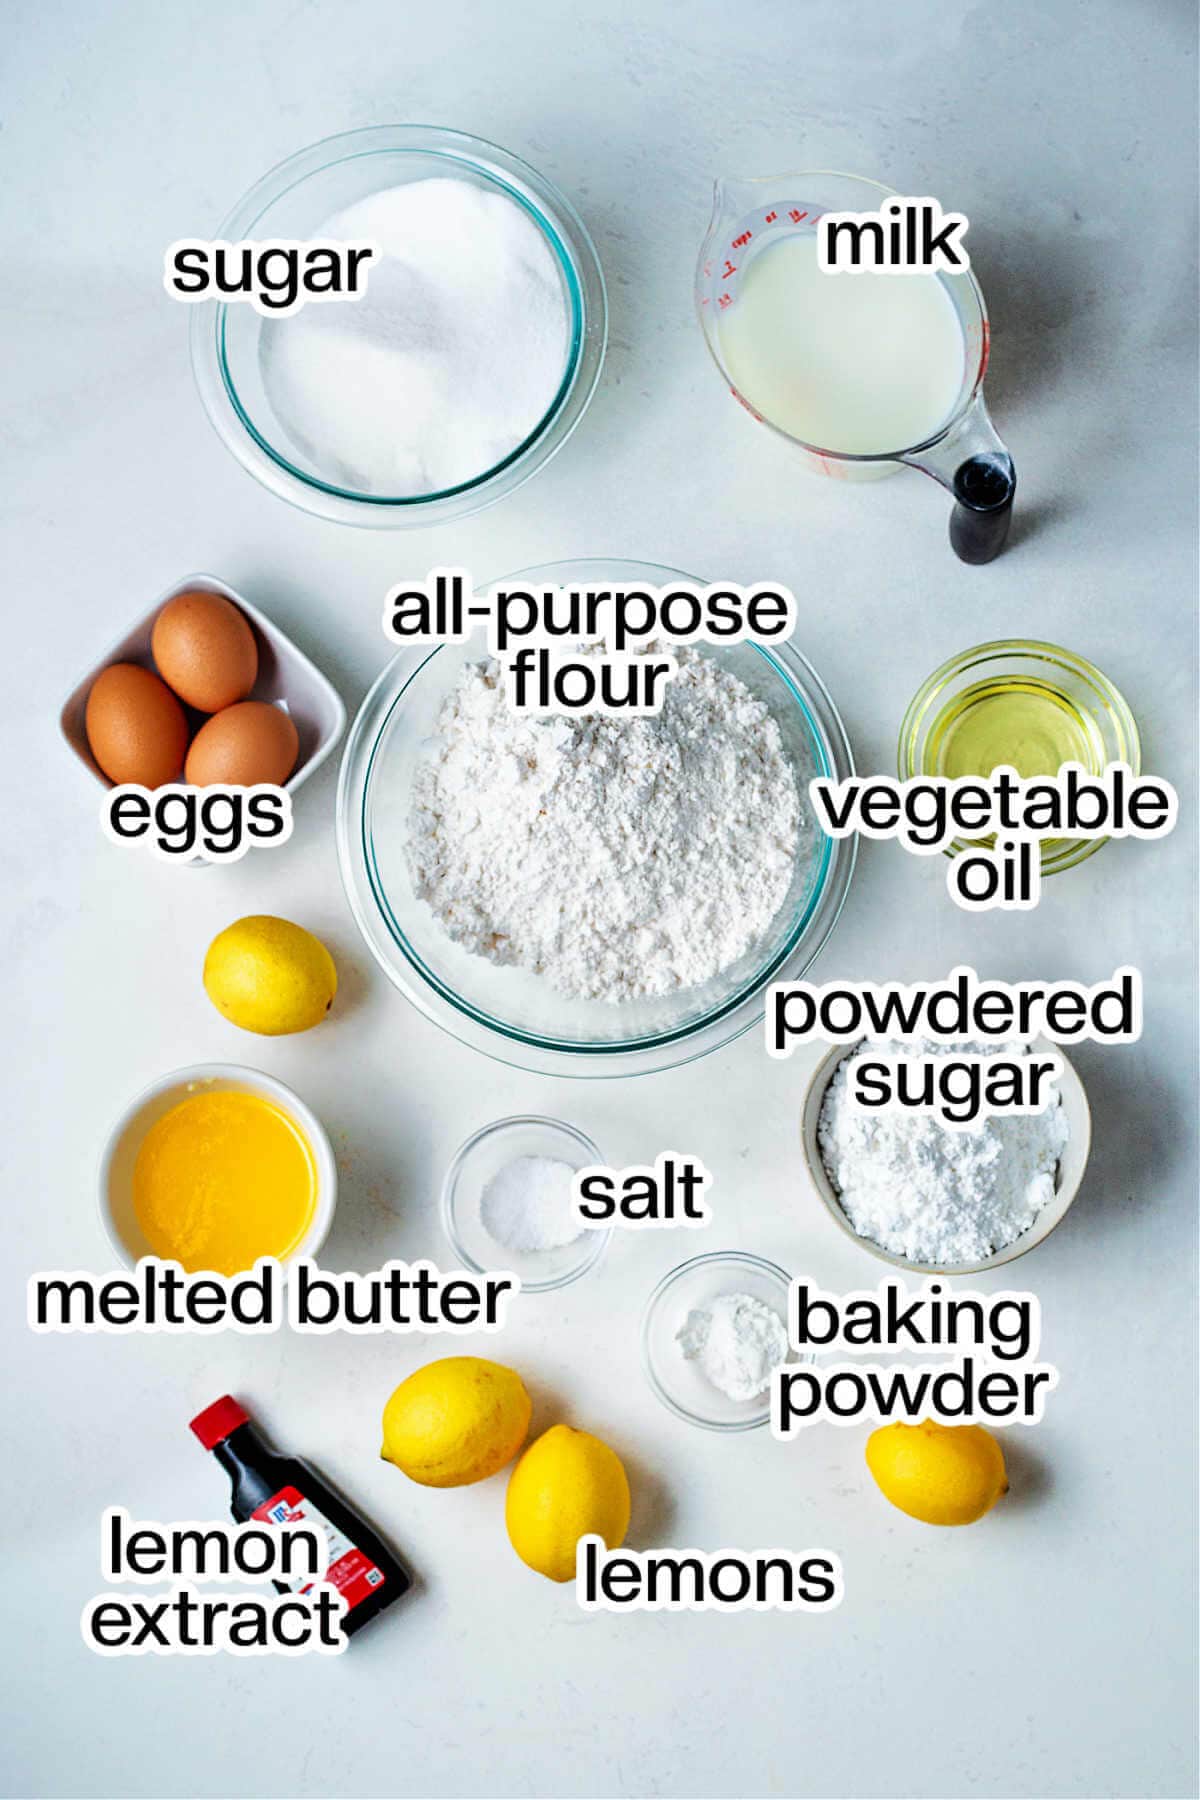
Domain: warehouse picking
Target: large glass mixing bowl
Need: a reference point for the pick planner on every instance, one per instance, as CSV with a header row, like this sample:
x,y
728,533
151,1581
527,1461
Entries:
x,y
514,1014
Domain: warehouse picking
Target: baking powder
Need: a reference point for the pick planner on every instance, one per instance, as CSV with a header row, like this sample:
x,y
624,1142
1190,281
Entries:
x,y
737,1341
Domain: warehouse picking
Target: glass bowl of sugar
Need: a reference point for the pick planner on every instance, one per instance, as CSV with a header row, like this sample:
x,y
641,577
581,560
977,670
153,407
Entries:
x,y
506,1202
460,370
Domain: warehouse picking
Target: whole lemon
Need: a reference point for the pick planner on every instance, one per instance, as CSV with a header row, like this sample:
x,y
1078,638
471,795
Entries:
x,y
566,1485
456,1421
942,1474
270,976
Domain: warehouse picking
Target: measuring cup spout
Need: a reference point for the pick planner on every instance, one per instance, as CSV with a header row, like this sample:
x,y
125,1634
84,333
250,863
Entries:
x,y
734,196
731,225
971,460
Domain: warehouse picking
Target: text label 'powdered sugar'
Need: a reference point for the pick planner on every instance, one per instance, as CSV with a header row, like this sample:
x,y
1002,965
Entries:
x,y
1006,1073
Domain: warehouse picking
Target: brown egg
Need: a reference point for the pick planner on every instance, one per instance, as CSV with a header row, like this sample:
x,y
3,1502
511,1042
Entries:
x,y
135,726
205,650
243,745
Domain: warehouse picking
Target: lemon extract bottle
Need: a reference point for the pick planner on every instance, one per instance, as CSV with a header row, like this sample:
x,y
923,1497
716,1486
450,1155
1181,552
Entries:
x,y
278,1490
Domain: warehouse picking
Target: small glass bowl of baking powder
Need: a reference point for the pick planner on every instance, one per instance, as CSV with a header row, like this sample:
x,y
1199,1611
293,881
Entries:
x,y
516,1173
692,1287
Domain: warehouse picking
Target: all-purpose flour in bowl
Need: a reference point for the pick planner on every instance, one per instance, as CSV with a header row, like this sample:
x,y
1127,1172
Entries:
x,y
619,858
447,364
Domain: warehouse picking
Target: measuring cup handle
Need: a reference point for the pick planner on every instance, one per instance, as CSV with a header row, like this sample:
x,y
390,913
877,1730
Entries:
x,y
983,490
973,463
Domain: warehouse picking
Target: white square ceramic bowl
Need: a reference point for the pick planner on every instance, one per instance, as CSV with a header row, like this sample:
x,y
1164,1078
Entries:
x,y
286,678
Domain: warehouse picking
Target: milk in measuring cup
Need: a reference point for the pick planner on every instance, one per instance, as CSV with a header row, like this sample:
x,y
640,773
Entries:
x,y
856,362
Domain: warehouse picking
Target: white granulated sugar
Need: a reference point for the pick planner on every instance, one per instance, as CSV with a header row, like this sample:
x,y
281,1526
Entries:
x,y
527,1204
737,1341
618,857
934,1195
448,361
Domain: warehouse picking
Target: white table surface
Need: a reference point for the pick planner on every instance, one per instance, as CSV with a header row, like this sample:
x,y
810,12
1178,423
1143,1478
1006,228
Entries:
x,y
1047,1651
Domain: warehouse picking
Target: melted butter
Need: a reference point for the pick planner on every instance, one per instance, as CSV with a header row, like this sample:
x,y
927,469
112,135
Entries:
x,y
222,1179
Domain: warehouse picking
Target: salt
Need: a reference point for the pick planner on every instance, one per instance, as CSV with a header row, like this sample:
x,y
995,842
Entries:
x,y
527,1204
449,361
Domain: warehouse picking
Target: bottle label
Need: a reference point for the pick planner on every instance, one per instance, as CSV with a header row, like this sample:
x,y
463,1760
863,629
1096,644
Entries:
x,y
350,1571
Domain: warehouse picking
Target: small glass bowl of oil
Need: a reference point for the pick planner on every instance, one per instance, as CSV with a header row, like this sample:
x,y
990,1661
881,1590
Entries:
x,y
1033,706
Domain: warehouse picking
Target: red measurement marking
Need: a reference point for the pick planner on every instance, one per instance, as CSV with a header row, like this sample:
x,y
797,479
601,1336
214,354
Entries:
x,y
739,243
743,402
723,300
770,218
795,216
708,268
729,269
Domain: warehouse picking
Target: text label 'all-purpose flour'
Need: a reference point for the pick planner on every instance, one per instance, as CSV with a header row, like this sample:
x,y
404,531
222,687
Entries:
x,y
620,858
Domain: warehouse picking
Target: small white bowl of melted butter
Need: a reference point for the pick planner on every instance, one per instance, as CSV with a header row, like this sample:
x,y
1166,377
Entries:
x,y
215,1166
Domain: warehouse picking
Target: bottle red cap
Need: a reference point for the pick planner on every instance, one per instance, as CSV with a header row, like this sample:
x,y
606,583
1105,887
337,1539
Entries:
x,y
218,1420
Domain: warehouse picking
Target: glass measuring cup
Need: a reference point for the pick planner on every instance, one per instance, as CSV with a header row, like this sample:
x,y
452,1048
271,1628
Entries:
x,y
965,454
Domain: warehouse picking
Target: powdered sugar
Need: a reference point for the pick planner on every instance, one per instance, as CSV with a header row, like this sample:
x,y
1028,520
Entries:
x,y
619,857
929,1193
737,1341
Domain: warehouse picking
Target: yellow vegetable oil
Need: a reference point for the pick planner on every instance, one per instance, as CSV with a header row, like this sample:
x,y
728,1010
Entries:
x,y
1026,705
1017,720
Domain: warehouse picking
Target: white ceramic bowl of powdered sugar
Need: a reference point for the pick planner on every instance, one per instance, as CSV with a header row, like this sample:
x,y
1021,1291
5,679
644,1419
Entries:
x,y
595,895
935,1200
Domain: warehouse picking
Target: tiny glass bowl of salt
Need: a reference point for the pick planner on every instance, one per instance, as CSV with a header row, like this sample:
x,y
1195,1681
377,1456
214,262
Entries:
x,y
464,360
712,1332
506,1202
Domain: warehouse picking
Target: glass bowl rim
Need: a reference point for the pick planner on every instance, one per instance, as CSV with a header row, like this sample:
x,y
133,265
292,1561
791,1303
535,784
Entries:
x,y
743,1259
654,1040
542,1121
575,255
827,734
